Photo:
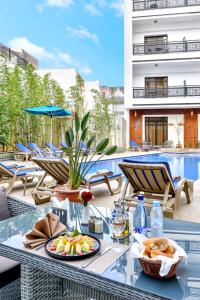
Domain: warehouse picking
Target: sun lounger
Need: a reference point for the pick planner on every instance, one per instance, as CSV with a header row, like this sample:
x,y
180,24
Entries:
x,y
39,151
54,150
156,181
11,175
63,145
58,168
168,144
27,153
134,146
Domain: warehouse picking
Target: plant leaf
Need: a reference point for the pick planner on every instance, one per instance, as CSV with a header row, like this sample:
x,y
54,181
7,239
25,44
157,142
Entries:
x,y
91,140
102,145
68,138
85,121
84,134
71,134
111,150
77,123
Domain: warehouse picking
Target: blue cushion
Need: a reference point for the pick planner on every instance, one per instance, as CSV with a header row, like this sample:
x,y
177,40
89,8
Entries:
x,y
24,172
101,178
129,160
23,148
133,144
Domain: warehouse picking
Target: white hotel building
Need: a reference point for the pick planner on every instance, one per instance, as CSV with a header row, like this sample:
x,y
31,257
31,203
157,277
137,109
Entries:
x,y
162,71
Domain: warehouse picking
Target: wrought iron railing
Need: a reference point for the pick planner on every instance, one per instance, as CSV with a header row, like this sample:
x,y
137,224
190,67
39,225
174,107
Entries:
x,y
175,91
169,47
158,4
11,55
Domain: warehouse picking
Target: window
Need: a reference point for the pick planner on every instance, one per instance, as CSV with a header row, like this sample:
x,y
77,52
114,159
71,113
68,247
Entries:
x,y
156,87
155,44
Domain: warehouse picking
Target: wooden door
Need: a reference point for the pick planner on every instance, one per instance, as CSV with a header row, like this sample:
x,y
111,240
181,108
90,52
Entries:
x,y
190,130
135,127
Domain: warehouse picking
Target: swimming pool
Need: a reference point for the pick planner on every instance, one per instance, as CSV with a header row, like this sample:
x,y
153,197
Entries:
x,y
184,165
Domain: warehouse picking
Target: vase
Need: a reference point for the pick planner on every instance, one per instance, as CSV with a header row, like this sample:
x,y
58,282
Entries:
x,y
85,214
63,192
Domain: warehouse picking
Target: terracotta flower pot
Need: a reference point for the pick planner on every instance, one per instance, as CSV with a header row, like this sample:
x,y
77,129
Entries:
x,y
62,192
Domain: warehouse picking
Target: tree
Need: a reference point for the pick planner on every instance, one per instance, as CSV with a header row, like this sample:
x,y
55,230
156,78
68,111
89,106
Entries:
x,y
76,96
103,116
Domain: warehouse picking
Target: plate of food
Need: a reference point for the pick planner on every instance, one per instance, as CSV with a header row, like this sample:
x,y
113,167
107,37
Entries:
x,y
72,247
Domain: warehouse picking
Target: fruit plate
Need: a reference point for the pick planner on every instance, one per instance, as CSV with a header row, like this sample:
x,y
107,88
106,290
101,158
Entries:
x,y
68,256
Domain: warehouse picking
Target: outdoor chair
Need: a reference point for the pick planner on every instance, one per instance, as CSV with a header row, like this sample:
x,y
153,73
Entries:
x,y
54,150
63,145
39,151
168,144
146,146
10,175
58,168
134,146
10,269
156,181
24,151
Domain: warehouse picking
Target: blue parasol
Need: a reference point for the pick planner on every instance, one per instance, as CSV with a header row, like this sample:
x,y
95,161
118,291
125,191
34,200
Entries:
x,y
49,110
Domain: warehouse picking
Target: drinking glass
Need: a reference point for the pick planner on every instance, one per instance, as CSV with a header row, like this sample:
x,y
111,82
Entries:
x,y
117,224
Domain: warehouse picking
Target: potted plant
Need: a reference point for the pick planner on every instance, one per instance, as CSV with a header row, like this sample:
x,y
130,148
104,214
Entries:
x,y
81,163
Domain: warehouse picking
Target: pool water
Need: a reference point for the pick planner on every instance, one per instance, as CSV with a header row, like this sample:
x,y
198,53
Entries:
x,y
184,165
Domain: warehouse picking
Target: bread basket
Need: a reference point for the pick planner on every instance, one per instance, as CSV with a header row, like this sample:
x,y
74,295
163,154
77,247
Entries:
x,y
152,268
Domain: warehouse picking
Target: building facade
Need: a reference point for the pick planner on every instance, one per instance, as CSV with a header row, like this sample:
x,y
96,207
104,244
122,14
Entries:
x,y
17,57
162,71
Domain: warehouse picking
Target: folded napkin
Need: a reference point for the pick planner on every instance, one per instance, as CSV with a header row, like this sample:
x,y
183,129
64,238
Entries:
x,y
43,230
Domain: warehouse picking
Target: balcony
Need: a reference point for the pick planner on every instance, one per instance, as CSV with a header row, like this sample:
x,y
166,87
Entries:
x,y
11,56
175,91
167,47
159,4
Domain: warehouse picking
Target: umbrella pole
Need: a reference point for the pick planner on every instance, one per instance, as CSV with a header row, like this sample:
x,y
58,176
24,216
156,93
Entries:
x,y
51,137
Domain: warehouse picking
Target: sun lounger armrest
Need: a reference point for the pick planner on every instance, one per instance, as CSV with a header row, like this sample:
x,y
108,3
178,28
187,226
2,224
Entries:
x,y
26,169
97,175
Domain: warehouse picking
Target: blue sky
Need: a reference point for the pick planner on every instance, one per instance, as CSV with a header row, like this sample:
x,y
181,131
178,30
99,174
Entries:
x,y
87,35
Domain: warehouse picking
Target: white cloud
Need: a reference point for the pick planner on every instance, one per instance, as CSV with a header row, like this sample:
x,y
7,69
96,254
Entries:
x,y
55,58
65,57
55,3
86,70
37,51
95,7
118,6
83,32
92,9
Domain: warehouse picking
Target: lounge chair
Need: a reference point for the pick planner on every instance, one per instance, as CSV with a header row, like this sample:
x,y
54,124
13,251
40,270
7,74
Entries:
x,y
134,146
63,145
27,153
12,174
156,181
146,146
54,150
39,151
58,168
168,144
10,269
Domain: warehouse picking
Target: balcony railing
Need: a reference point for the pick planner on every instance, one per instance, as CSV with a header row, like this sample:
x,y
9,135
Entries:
x,y
11,56
158,4
175,91
163,48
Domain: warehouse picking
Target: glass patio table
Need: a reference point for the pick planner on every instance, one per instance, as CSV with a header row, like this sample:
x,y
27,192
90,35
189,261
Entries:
x,y
48,278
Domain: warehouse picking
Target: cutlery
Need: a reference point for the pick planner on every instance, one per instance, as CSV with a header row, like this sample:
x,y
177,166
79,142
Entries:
x,y
102,252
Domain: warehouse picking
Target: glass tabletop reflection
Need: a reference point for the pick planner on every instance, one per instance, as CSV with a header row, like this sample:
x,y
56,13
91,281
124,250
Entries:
x,y
126,270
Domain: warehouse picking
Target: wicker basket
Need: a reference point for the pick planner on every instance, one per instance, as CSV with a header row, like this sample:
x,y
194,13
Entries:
x,y
152,268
